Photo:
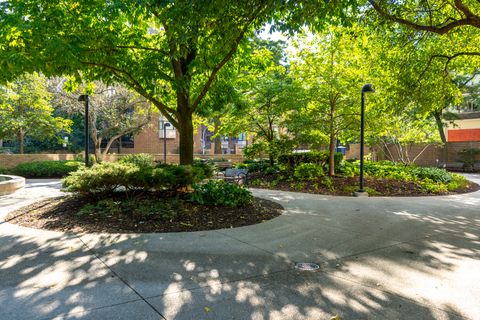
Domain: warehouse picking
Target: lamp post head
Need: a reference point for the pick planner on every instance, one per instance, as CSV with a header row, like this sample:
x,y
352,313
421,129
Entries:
x,y
368,88
166,124
83,97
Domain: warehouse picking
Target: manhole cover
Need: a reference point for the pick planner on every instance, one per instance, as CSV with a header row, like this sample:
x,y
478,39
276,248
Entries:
x,y
306,266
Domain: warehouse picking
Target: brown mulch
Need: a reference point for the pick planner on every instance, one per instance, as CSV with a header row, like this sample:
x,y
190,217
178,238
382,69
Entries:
x,y
346,186
61,214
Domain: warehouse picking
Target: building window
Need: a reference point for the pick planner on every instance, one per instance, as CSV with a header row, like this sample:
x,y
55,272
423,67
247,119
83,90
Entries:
x,y
242,137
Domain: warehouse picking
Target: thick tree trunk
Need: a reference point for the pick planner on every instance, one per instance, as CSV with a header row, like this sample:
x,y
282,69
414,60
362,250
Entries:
x,y
218,139
438,120
218,145
186,138
21,142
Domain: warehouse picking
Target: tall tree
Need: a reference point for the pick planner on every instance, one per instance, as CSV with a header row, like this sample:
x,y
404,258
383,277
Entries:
x,y
169,52
114,111
25,111
333,67
270,98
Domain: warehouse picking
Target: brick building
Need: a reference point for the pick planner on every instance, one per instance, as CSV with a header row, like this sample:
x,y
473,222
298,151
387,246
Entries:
x,y
466,123
151,140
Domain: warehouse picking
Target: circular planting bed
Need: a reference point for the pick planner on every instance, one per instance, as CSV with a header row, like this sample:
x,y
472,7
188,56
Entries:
x,y
139,215
10,184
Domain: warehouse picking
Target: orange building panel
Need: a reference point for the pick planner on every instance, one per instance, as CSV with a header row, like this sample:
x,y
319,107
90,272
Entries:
x,y
462,135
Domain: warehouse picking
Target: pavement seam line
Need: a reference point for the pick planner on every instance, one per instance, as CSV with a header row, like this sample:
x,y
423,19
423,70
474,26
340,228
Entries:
x,y
376,249
121,279
99,308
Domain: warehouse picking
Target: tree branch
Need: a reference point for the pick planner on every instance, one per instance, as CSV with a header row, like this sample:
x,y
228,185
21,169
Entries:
x,y
132,82
470,19
225,59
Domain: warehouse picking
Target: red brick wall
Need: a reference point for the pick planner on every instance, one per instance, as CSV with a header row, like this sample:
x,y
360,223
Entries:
x,y
149,141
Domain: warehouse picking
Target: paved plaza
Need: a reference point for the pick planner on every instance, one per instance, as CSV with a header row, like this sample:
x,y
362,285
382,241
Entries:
x,y
380,258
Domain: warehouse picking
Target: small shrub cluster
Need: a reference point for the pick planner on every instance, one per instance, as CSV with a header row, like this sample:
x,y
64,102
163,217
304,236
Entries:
x,y
44,169
291,161
256,166
141,160
221,193
308,171
387,169
431,180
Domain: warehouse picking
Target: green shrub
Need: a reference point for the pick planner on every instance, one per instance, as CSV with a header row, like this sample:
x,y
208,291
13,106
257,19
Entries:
x,y
221,193
308,171
102,178
203,169
142,160
45,169
321,158
107,177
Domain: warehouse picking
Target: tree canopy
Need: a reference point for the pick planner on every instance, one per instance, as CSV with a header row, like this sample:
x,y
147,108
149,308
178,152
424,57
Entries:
x,y
169,52
26,111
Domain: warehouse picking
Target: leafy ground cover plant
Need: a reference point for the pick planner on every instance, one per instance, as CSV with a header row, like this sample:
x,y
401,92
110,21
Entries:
x,y
221,193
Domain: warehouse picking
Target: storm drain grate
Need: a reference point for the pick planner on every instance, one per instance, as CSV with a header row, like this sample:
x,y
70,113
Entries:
x,y
306,266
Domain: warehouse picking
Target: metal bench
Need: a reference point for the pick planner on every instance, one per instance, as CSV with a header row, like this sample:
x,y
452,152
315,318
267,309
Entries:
x,y
456,166
238,176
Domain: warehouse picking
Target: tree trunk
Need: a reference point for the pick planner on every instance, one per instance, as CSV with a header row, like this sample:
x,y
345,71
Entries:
x,y
438,120
218,145
108,146
21,142
271,160
98,151
186,138
218,139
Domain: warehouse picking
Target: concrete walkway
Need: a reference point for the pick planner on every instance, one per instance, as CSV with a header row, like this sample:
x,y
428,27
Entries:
x,y
380,258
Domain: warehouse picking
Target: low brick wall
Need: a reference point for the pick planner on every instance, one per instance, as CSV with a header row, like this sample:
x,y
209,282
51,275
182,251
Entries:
x,y
11,160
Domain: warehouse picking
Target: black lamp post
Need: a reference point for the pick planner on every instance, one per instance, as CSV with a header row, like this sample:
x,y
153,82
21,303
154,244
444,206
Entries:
x,y
361,191
165,125
84,97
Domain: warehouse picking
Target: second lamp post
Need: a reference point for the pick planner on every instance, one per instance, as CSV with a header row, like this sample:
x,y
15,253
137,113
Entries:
x,y
361,191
